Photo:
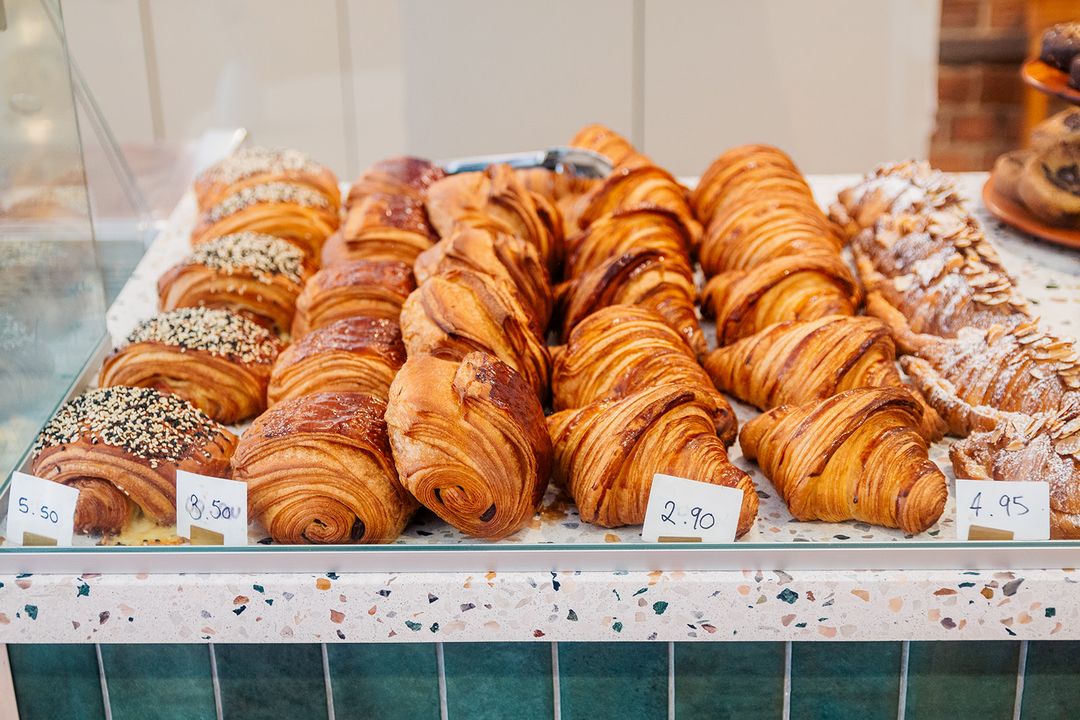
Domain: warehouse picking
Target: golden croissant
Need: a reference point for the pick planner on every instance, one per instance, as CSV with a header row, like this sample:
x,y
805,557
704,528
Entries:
x,y
606,453
640,277
293,212
857,455
354,354
625,230
121,447
793,363
381,227
789,287
605,141
470,442
257,276
646,186
455,313
404,175
740,170
257,165
374,288
319,470
218,361
561,191
621,349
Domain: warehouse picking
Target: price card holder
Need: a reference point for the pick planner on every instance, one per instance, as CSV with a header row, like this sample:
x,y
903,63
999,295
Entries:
x,y
1002,510
211,511
682,510
40,512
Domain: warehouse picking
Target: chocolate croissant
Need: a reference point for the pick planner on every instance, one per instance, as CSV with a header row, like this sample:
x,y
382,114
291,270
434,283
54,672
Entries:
x,y
761,170
640,277
605,141
294,212
381,227
257,165
625,230
356,354
646,186
470,442
121,447
319,470
455,313
621,349
606,453
857,455
400,176
218,361
257,276
364,287
789,287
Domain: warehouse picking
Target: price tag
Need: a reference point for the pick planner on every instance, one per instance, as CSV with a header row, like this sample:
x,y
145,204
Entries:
x,y
682,510
1002,510
40,512
211,511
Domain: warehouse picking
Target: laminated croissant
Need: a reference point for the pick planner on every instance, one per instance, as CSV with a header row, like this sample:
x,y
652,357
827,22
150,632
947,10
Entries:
x,y
319,470
355,354
902,188
218,361
561,190
857,455
296,213
374,288
623,231
789,287
646,186
622,349
495,254
121,448
746,170
257,276
470,442
640,277
404,175
455,313
793,363
381,227
606,453
605,141
257,165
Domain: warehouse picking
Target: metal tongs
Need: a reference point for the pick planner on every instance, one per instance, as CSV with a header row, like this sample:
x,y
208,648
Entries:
x,y
570,160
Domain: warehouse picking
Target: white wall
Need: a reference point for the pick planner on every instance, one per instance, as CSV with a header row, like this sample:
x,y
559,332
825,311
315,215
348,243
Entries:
x,y
842,84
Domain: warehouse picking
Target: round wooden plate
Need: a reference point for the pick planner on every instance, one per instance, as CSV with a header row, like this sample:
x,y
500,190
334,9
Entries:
x,y
1013,213
1049,79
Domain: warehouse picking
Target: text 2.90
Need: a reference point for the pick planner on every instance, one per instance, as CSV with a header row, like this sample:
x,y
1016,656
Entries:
x,y
701,520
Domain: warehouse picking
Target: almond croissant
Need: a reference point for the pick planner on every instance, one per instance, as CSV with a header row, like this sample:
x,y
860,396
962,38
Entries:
x,y
470,442
606,453
621,349
856,456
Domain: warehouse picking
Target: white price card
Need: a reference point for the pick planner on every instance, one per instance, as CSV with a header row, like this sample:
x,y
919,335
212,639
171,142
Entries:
x,y
1002,510
211,511
40,512
682,510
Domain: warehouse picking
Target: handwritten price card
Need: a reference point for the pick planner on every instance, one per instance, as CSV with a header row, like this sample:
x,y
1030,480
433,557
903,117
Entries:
x,y
211,511
1002,510
682,510
40,512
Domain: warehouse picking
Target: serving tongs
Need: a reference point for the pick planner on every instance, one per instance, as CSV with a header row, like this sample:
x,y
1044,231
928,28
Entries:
x,y
570,160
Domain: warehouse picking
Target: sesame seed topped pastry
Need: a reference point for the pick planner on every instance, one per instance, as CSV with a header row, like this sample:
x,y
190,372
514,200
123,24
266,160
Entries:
x,y
258,165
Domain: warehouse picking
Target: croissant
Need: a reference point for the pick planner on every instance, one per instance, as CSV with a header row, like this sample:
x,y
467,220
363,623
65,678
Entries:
x,y
607,453
257,165
605,141
410,176
646,186
789,287
498,193
625,230
381,227
121,447
319,470
293,212
741,167
621,349
857,455
640,277
561,190
455,313
365,287
497,255
940,272
903,188
470,442
218,361
355,354
257,276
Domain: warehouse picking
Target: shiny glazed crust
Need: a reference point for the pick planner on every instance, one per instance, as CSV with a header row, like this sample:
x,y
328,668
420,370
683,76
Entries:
x,y
372,288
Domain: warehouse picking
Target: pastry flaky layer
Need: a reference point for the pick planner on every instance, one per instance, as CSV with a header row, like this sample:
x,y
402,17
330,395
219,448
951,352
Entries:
x,y
374,288
744,171
470,442
857,455
606,453
355,354
381,227
257,165
121,447
622,349
402,176
605,141
625,230
319,470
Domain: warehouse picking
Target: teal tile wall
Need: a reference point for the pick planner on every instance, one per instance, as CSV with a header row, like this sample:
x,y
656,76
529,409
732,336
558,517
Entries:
x,y
627,680
176,677
490,681
840,680
271,682
56,681
979,677
1052,680
741,680
390,682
